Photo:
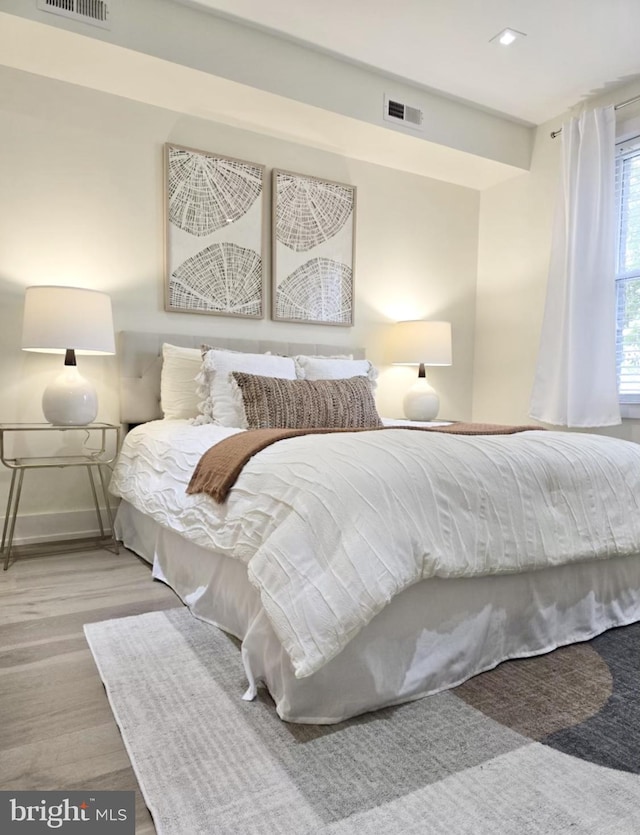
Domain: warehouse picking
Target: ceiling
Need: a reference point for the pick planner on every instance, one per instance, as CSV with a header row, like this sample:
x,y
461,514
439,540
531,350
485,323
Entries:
x,y
61,55
572,48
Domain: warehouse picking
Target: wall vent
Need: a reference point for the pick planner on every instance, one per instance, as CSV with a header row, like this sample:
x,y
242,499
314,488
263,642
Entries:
x,y
95,12
402,114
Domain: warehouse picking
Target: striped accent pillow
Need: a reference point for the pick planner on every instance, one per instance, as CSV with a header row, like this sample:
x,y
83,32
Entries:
x,y
273,403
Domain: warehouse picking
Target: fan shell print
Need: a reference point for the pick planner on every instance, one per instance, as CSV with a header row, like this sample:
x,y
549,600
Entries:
x,y
214,233
319,290
313,249
223,277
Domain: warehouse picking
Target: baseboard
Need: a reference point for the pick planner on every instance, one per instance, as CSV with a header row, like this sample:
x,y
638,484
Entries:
x,y
36,528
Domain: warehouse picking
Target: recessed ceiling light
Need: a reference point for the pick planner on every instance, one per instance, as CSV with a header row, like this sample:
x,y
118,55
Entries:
x,y
507,36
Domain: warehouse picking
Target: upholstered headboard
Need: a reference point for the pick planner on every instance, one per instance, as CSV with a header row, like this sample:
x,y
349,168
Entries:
x,y
140,362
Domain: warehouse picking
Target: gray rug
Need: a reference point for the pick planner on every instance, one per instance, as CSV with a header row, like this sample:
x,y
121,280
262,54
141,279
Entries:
x,y
528,748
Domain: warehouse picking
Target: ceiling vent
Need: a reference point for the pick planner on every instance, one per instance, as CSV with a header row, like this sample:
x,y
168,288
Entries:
x,y
402,113
95,12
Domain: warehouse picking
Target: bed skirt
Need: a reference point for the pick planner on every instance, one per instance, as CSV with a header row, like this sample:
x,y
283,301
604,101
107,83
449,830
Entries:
x,y
434,635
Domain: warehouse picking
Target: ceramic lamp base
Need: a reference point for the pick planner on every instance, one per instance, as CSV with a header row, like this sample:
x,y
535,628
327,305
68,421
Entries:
x,y
70,400
421,402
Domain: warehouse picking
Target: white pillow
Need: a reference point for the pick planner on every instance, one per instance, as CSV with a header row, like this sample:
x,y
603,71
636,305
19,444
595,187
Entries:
x,y
334,368
220,396
179,398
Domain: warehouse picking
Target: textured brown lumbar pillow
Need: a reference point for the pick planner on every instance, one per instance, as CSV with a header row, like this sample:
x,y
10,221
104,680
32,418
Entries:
x,y
270,402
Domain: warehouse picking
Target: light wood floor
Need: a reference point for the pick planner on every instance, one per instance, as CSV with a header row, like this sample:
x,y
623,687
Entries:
x,y
56,727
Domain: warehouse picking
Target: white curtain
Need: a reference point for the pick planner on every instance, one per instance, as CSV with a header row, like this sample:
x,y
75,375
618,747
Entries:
x,y
575,382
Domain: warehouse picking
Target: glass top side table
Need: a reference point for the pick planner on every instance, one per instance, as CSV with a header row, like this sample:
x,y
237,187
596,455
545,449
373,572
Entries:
x,y
93,459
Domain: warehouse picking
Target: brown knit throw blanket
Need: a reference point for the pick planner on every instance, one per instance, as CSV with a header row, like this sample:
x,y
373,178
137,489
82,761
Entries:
x,y
220,466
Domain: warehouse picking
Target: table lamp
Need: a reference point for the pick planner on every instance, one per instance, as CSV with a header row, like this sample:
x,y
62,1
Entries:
x,y
69,321
422,343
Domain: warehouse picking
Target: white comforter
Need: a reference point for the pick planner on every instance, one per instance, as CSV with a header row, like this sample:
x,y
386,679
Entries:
x,y
332,527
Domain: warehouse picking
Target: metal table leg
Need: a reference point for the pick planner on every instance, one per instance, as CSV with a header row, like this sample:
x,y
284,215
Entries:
x,y
107,507
8,542
95,498
8,511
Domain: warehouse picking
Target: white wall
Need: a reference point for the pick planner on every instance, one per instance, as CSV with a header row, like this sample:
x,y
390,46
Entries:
x,y
82,203
513,260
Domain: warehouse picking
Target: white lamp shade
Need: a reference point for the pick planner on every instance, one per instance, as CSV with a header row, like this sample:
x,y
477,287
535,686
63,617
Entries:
x,y
422,342
57,318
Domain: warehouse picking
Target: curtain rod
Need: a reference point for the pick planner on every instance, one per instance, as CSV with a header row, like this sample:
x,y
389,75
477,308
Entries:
x,y
618,106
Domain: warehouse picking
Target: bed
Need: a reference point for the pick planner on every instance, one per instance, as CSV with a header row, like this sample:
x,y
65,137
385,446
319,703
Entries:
x,y
416,626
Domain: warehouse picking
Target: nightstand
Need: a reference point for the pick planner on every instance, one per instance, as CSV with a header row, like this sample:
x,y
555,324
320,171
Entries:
x,y
91,454
407,422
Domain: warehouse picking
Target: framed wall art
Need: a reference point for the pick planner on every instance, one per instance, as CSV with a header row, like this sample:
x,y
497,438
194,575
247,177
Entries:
x,y
214,240
313,249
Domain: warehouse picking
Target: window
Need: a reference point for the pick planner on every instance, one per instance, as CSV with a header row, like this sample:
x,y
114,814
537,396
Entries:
x,y
628,270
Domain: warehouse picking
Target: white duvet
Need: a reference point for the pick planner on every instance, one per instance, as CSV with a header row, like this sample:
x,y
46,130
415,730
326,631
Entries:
x,y
332,527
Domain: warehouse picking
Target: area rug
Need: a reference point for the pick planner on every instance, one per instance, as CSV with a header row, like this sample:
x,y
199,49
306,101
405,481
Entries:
x,y
543,745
